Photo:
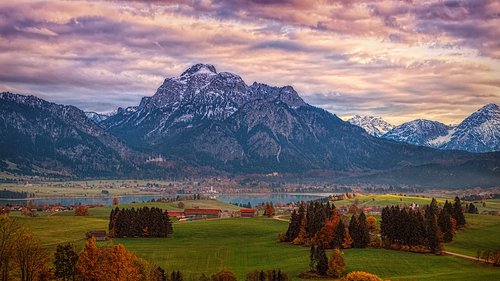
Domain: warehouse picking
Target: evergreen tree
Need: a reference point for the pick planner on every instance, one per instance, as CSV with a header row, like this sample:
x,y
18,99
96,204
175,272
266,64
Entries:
x,y
458,213
354,231
445,225
364,234
65,262
472,209
322,265
338,237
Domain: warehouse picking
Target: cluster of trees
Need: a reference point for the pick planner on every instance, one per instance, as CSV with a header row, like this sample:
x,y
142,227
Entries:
x,y
269,210
471,208
141,222
243,205
421,230
270,275
316,223
9,194
321,266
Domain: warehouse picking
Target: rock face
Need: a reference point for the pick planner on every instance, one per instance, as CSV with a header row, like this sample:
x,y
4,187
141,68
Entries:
x,y
211,118
480,132
43,138
374,126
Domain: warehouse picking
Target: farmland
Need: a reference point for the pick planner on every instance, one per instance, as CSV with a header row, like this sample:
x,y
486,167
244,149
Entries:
x,y
243,245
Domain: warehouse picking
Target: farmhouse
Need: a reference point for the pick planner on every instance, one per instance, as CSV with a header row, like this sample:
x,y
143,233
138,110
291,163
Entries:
x,y
175,214
247,213
99,235
203,213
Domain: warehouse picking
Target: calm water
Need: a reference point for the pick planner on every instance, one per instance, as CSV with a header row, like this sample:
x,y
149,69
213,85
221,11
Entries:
x,y
254,199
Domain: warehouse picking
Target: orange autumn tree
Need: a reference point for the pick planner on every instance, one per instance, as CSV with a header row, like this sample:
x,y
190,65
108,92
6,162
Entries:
x,y
108,264
346,244
326,234
120,264
89,262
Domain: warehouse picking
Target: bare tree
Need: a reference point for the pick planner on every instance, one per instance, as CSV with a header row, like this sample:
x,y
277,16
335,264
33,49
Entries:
x,y
29,256
9,232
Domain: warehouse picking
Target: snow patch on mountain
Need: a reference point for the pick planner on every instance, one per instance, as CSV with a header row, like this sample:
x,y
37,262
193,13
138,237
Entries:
x,y
375,126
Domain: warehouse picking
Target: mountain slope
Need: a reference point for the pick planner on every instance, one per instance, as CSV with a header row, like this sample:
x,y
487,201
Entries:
x,y
214,119
480,132
420,132
43,138
374,126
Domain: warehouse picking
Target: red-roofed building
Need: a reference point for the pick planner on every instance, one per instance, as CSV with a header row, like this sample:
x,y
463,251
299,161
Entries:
x,y
175,214
247,213
203,213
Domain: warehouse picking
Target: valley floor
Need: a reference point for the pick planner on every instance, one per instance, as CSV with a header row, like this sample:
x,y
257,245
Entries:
x,y
243,245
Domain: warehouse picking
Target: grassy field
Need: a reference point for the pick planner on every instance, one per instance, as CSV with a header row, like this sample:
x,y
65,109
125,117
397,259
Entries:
x,y
379,200
243,245
483,232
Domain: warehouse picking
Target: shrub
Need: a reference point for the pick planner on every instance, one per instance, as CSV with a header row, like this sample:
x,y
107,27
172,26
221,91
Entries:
x,y
361,276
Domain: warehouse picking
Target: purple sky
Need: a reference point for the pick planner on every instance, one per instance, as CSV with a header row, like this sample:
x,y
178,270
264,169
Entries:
x,y
401,60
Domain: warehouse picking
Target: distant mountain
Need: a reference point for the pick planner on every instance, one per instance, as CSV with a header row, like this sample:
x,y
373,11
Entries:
x,y
420,132
480,132
205,122
214,119
47,139
96,117
374,126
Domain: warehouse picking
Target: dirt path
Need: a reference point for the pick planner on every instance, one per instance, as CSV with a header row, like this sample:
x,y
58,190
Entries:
x,y
465,256
278,217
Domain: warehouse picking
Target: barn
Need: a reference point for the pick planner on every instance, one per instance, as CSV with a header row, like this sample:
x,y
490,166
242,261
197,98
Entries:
x,y
203,213
247,213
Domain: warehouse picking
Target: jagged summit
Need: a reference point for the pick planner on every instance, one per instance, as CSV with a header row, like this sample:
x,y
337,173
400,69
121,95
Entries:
x,y
200,68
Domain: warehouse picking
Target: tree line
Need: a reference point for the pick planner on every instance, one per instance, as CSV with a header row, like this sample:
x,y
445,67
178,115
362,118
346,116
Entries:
x,y
140,222
421,230
316,223
9,194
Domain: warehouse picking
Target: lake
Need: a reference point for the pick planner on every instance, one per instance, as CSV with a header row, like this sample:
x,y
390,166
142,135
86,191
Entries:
x,y
253,199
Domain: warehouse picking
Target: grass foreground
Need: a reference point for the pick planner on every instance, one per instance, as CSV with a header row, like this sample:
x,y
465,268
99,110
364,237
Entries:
x,y
243,245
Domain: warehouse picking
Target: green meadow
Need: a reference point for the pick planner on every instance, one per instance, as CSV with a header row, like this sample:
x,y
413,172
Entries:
x,y
242,245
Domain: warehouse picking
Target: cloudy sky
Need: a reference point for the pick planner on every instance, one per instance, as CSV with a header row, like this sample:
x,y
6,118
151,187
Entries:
x,y
401,60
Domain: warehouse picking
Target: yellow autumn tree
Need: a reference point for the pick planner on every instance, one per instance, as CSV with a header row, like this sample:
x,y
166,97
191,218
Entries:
x,y
346,244
336,264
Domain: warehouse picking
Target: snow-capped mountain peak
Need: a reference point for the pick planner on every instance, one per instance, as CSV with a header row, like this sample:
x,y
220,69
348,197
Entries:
x,y
480,132
200,68
375,126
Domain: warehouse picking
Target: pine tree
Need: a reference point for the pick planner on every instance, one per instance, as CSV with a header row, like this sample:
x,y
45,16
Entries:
x,y
445,225
354,231
364,235
458,213
65,262
322,261
338,237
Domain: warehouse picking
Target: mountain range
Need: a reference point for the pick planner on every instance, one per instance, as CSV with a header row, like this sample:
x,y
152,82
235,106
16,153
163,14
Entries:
x,y
210,121
479,132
